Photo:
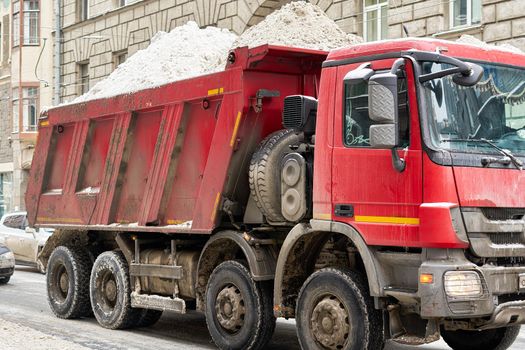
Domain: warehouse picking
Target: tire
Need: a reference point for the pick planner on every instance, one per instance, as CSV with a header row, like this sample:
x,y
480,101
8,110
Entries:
x,y
5,280
110,292
67,279
231,292
148,318
265,173
490,339
334,311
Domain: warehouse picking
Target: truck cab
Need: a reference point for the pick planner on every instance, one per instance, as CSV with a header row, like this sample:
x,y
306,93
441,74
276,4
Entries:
x,y
434,190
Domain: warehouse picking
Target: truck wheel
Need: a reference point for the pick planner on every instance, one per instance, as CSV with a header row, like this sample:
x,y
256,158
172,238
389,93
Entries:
x,y
4,280
489,339
148,318
68,272
110,292
265,173
334,311
238,310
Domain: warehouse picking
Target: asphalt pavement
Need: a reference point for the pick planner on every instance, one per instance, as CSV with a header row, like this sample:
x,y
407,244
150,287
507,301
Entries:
x,y
24,308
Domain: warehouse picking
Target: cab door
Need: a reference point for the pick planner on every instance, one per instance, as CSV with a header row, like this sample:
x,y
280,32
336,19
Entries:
x,y
381,202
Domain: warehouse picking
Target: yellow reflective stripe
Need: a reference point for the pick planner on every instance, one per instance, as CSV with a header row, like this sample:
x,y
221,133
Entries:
x,y
59,220
321,216
235,129
387,220
214,212
215,91
44,123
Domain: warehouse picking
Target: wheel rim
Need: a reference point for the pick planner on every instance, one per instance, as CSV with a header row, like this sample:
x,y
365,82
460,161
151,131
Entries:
x,y
229,308
62,282
330,323
107,291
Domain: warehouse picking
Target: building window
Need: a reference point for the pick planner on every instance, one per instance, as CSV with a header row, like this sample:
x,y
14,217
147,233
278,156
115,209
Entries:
x,y
126,2
375,25
83,9
83,78
465,12
27,104
119,58
31,22
16,23
16,109
30,108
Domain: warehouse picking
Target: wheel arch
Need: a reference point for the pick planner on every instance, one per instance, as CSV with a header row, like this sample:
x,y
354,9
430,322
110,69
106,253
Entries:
x,y
230,245
76,238
290,271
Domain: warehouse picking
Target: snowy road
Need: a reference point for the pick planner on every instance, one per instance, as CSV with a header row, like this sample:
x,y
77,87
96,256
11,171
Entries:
x,y
27,323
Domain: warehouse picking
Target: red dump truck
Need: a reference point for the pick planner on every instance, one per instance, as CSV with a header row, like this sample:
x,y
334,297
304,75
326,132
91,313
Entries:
x,y
371,193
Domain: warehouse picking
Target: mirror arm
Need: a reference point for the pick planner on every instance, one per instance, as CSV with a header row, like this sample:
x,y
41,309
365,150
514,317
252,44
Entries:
x,y
400,62
397,162
440,74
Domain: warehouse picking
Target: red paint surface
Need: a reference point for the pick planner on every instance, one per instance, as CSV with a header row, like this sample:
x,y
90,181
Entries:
x,y
167,178
156,156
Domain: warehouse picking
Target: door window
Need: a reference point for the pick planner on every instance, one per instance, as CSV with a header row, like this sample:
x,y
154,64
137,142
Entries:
x,y
15,221
356,124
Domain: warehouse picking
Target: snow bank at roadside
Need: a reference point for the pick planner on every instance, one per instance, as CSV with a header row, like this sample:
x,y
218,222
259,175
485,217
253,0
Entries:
x,y
14,336
298,24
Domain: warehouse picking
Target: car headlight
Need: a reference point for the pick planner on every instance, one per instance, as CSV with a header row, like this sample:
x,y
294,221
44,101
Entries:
x,y
463,284
7,259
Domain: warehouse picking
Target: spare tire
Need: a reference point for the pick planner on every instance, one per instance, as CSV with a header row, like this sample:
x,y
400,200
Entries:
x,y
265,173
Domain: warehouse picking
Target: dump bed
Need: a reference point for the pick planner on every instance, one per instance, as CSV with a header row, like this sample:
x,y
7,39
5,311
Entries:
x,y
164,159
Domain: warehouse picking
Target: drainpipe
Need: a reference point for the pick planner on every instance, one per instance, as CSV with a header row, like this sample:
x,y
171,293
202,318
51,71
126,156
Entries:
x,y
58,48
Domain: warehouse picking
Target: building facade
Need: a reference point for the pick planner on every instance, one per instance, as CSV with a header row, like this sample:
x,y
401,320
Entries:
x,y
25,86
6,153
100,34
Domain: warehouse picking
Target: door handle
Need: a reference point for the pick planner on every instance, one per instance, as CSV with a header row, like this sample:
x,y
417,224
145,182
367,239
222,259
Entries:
x,y
344,210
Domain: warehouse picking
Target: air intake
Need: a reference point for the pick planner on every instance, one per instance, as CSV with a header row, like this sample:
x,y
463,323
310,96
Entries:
x,y
299,113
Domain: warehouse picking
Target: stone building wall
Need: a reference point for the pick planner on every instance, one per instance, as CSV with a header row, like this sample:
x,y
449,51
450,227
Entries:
x,y
111,30
6,152
502,21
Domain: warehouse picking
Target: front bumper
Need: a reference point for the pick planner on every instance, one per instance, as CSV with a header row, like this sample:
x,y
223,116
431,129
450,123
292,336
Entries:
x,y
7,271
501,303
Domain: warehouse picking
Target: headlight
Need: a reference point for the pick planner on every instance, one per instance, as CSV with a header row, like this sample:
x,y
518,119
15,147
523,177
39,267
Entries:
x,y
7,259
461,284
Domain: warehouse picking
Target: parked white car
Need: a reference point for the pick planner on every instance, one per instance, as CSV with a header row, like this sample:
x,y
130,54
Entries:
x,y
25,242
7,263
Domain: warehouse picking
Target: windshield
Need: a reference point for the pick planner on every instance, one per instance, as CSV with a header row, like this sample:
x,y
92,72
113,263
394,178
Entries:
x,y
493,109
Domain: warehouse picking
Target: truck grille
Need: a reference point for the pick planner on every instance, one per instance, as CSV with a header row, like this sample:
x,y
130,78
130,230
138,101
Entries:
x,y
503,213
507,238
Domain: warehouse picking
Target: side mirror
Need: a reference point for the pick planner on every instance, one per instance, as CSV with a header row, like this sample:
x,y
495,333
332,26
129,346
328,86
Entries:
x,y
30,230
382,109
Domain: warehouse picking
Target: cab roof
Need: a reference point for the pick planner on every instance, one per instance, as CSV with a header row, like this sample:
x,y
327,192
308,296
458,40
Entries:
x,y
488,53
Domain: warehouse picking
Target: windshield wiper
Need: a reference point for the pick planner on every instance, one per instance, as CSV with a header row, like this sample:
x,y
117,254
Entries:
x,y
508,156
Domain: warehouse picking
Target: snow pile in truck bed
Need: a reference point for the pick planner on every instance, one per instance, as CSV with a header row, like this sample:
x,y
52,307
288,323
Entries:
x,y
298,24
187,51
471,40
